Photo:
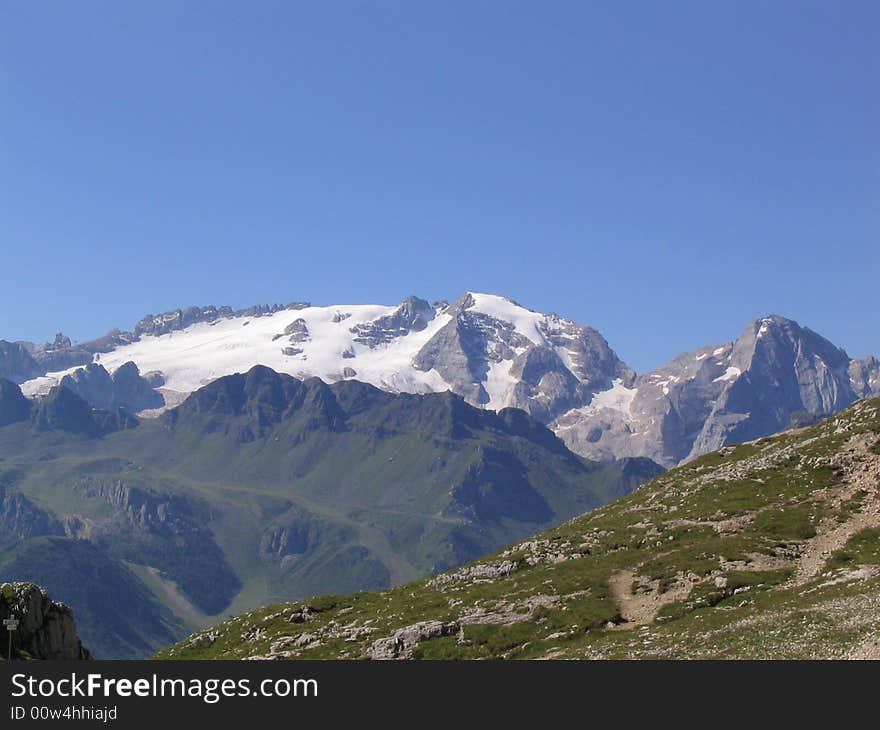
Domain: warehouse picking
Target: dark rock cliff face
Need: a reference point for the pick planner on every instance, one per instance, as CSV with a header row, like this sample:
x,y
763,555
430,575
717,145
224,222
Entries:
x,y
14,407
46,628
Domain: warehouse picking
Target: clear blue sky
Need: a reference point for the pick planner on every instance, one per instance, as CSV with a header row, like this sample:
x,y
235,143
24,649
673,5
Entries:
x,y
663,171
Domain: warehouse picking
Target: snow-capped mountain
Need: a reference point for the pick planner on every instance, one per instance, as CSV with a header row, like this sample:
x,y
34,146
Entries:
x,y
488,349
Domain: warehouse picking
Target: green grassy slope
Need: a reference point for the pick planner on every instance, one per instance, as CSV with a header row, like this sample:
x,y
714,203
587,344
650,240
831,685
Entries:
x,y
770,549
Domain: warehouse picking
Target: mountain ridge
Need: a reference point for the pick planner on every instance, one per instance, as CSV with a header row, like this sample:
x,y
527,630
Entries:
x,y
492,351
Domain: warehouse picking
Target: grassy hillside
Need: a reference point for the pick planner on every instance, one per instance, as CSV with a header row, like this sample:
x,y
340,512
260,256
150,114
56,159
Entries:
x,y
769,549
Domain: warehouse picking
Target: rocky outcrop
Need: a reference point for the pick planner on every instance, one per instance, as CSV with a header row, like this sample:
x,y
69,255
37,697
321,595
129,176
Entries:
x,y
297,331
142,509
412,315
46,628
401,643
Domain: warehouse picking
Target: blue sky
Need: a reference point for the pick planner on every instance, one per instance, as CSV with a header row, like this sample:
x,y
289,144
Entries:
x,y
663,171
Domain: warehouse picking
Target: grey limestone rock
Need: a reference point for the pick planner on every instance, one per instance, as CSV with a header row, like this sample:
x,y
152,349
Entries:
x,y
401,643
46,628
297,331
412,315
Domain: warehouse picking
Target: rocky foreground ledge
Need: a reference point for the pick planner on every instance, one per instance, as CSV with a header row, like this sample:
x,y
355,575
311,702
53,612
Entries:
x,y
46,628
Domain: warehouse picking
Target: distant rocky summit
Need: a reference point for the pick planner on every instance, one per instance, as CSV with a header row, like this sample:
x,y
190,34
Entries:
x,y
46,629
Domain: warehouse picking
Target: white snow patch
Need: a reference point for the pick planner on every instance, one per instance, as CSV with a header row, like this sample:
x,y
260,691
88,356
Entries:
x,y
618,398
41,385
497,384
732,373
664,384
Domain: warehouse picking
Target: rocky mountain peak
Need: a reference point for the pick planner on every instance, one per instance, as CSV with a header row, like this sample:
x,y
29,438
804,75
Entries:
x,y
774,337
412,315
